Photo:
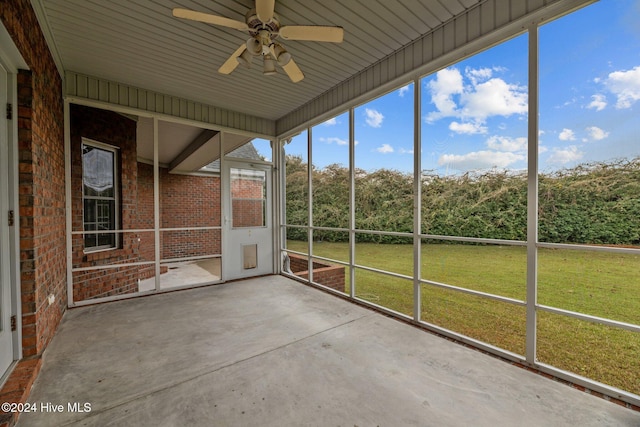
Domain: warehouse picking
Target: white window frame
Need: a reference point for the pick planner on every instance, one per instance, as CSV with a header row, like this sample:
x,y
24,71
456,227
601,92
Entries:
x,y
116,172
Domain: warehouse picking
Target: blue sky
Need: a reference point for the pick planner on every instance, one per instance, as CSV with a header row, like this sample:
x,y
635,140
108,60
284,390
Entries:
x,y
474,113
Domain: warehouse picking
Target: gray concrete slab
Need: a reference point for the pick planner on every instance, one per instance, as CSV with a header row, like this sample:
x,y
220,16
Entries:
x,y
273,352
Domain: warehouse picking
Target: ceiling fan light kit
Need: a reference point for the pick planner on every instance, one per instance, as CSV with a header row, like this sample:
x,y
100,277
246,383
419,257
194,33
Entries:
x,y
263,26
269,66
254,46
282,56
245,59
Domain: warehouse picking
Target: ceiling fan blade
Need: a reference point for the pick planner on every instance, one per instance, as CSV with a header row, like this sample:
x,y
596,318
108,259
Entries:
x,y
315,33
231,63
264,10
209,19
293,71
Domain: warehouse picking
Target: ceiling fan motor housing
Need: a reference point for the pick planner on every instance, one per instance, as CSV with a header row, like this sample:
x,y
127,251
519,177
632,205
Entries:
x,y
256,25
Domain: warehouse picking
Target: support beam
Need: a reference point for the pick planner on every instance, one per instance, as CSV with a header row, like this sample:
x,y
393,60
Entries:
x,y
193,146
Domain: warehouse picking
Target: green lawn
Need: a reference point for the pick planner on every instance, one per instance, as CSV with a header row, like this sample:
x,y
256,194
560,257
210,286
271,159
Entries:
x,y
600,284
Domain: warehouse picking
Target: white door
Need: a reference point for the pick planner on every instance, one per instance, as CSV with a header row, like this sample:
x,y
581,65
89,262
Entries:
x,y
248,224
6,342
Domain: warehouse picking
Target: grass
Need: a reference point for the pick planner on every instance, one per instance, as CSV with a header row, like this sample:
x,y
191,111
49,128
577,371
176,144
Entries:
x,y
596,283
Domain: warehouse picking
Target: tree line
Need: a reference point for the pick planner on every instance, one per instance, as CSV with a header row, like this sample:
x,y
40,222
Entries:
x,y
592,203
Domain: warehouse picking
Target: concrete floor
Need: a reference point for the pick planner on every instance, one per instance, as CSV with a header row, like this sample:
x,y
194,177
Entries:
x,y
184,274
273,352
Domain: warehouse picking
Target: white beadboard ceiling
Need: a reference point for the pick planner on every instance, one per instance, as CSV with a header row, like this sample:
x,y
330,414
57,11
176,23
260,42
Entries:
x,y
135,54
140,44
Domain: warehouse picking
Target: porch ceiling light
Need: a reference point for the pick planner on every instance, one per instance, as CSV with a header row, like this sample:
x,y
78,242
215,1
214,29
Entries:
x,y
269,65
282,56
245,59
254,46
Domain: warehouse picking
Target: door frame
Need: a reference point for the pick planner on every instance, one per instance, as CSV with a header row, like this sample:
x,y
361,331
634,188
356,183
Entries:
x,y
11,61
227,244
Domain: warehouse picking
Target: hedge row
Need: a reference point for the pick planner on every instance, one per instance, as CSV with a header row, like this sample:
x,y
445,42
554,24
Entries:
x,y
595,203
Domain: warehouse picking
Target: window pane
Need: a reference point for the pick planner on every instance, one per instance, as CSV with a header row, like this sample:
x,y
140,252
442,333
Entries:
x,y
493,269
474,145
99,194
297,181
331,244
390,292
330,153
384,162
248,197
387,253
605,354
602,284
589,190
99,215
98,172
495,322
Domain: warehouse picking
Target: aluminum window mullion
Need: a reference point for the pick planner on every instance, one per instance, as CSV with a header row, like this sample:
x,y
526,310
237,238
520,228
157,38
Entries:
x,y
417,202
310,203
352,204
156,202
532,198
68,203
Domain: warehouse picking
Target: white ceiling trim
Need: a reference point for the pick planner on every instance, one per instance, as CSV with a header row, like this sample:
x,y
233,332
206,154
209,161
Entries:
x,y
48,35
81,87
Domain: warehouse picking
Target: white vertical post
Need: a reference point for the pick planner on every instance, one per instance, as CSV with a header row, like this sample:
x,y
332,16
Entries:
x,y
282,200
225,195
272,197
156,201
417,201
276,194
532,198
310,203
352,204
68,204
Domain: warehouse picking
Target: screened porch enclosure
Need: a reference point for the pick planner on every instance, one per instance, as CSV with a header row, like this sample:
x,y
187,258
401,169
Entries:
x,y
148,219
451,197
460,202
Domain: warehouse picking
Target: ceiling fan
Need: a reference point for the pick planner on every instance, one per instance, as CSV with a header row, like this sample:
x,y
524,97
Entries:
x,y
264,28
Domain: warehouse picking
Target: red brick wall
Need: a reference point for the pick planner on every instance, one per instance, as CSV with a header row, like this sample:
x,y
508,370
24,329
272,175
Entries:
x,y
145,219
189,201
41,180
119,131
329,275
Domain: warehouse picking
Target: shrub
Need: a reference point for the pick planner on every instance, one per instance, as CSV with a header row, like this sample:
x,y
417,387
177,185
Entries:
x,y
595,203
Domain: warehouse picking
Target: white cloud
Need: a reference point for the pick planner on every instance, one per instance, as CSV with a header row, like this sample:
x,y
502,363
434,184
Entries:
x,y
468,128
495,98
598,102
405,151
448,82
374,118
505,143
564,156
625,85
479,160
597,134
486,96
567,135
403,90
478,74
385,149
334,140
331,122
